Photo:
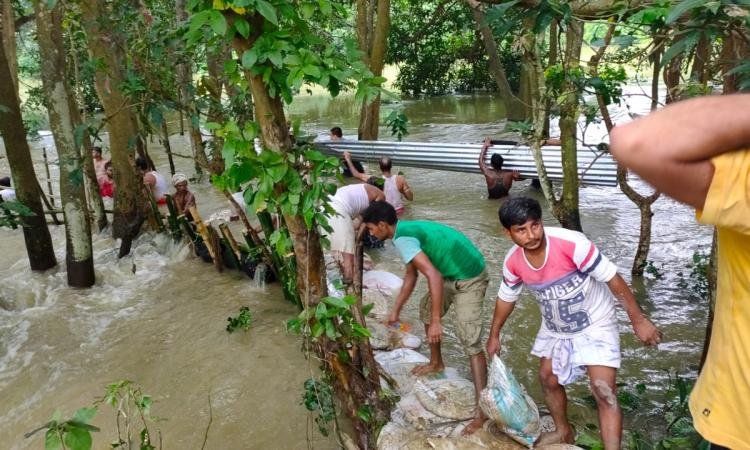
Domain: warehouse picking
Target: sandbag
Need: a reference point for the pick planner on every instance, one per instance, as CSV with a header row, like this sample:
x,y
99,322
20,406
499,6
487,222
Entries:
x,y
452,399
383,337
401,374
419,418
506,402
401,355
380,300
380,279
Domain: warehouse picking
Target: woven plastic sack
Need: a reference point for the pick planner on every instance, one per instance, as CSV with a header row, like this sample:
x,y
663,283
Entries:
x,y
506,402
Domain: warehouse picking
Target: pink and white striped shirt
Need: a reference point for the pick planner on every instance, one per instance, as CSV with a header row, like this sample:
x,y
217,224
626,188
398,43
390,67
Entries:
x,y
570,286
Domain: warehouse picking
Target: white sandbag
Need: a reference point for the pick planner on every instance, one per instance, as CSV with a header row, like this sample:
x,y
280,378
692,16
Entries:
x,y
401,374
506,402
380,300
423,420
452,399
380,279
401,355
383,337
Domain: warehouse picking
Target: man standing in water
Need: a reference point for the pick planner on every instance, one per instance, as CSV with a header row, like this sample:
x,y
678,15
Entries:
x,y
394,186
698,152
348,203
574,285
455,273
498,180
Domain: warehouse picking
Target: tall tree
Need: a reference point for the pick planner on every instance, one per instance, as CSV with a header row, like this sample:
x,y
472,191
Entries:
x,y
35,231
373,24
7,25
62,113
187,96
106,45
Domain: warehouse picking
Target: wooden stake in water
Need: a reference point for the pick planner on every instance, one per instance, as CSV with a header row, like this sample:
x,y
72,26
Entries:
x,y
49,178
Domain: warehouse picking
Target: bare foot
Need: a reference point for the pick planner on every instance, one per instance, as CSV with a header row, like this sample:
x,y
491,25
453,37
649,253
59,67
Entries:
x,y
556,437
473,426
426,369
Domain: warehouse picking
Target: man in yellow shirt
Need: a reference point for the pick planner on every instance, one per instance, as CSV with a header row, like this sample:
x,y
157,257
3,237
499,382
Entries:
x,y
698,152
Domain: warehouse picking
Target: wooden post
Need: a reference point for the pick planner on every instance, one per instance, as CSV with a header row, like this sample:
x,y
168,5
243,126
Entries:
x,y
230,240
157,221
49,178
167,146
174,225
215,243
202,230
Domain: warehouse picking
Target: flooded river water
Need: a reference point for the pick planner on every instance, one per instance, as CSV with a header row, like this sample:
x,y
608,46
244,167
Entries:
x,y
158,317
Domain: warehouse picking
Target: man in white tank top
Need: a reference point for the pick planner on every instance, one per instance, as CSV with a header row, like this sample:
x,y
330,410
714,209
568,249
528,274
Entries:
x,y
394,186
154,180
348,202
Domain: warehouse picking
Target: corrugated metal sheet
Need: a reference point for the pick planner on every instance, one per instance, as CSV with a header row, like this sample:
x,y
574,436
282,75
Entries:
x,y
593,168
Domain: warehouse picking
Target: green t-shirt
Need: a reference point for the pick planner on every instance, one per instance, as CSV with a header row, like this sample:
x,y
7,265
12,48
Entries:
x,y
452,253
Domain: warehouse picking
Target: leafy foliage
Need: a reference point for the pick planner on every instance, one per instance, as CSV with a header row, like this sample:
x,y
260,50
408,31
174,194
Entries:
x,y
398,123
697,279
12,213
242,321
131,406
71,434
333,318
318,399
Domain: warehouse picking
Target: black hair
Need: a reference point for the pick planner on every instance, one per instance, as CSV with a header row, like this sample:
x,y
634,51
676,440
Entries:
x,y
97,149
108,164
385,164
380,211
336,131
496,161
141,163
518,211
5,181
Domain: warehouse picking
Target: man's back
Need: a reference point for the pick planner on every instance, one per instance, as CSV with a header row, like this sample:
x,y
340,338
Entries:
x,y
449,250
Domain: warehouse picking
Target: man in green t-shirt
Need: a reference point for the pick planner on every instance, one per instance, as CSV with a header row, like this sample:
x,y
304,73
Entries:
x,y
455,274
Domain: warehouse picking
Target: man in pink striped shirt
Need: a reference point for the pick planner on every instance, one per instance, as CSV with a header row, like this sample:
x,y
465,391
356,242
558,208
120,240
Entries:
x,y
575,287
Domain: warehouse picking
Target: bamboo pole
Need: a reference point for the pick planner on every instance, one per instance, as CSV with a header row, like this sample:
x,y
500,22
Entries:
x,y
230,240
174,225
215,243
167,146
156,219
49,178
202,230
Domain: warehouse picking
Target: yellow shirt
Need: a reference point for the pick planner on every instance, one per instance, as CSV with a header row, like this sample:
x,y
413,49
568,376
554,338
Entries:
x,y
720,401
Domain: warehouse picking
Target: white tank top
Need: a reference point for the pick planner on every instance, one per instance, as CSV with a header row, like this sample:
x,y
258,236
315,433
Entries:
x,y
392,194
353,198
160,188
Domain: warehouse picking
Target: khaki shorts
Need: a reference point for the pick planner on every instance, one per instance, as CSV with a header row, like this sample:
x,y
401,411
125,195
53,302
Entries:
x,y
468,296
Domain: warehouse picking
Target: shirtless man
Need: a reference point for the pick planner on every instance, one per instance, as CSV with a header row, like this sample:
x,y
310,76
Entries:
x,y
498,180
395,186
183,198
153,179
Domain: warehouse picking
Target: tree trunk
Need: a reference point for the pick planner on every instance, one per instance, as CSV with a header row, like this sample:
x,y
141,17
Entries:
x,y
643,203
35,231
215,85
711,273
373,25
734,51
8,30
105,45
352,386
672,78
515,109
185,83
699,72
569,112
61,107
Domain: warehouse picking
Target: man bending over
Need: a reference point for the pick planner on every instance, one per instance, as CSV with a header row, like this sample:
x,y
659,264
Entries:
x,y
455,274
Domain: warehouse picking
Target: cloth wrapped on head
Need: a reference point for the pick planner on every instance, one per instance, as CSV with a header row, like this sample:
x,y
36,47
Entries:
x,y
178,178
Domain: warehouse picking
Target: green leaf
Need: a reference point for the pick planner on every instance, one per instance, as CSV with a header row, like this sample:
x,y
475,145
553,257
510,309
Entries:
x,y
78,439
249,58
84,415
367,308
317,329
267,10
242,27
311,70
335,301
277,172
218,23
682,8
682,46
52,440
330,330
